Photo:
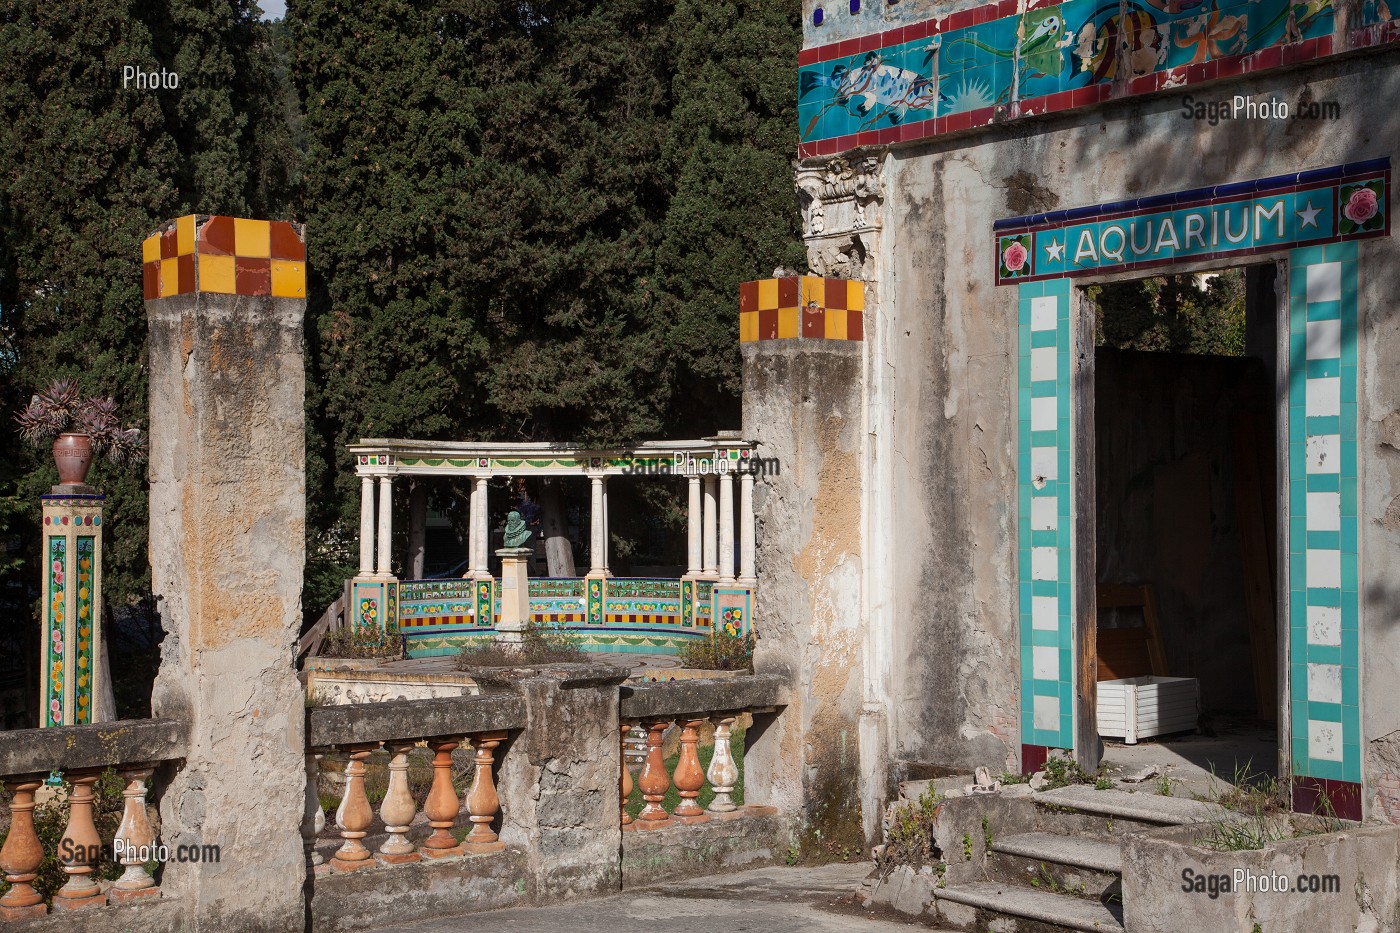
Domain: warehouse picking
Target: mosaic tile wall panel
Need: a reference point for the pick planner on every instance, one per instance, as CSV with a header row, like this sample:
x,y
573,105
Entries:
x,y
734,609
84,662
801,306
224,255
1008,59
1322,531
57,645
1045,515
1340,202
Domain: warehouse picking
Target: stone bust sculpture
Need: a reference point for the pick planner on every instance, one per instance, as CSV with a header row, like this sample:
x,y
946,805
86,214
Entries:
x,y
516,534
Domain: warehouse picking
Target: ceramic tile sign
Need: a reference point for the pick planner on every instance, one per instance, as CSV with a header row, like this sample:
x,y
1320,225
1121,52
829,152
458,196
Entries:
x,y
1343,202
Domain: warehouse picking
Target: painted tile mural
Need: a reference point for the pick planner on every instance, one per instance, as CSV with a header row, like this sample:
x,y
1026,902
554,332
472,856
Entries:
x,y
1009,59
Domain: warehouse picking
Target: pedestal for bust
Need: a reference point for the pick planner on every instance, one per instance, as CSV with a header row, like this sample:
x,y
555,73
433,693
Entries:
x,y
72,606
515,592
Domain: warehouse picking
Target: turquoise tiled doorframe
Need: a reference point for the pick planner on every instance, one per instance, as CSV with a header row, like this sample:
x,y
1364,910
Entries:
x,y
1323,584
1046,516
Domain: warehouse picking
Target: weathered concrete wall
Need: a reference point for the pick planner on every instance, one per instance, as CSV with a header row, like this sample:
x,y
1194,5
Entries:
x,y
948,384
227,547
753,837
558,784
802,404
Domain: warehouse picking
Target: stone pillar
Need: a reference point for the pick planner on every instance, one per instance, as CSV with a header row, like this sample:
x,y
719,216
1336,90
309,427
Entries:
x,y
515,591
746,538
596,561
803,405
481,529
366,525
726,527
417,527
70,657
693,532
386,527
710,558
607,532
227,549
558,782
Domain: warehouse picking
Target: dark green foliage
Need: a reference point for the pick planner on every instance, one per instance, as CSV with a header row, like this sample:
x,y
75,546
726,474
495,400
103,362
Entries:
x,y
1173,313
87,169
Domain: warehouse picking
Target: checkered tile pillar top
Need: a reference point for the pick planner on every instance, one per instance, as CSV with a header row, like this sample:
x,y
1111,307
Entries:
x,y
801,306
224,256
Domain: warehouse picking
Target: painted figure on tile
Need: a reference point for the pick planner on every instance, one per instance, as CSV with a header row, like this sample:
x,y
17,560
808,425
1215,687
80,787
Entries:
x,y
1139,38
1374,11
1212,35
1037,51
860,91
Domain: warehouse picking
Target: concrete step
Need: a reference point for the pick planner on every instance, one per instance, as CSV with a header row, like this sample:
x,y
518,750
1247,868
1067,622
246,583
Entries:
x,y
1142,808
1095,854
990,899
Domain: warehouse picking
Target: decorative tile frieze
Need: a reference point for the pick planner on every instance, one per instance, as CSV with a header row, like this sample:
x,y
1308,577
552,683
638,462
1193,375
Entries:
x,y
1018,58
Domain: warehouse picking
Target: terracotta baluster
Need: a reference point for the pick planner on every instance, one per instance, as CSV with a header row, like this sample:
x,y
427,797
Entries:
x,y
134,840
625,780
398,807
354,814
78,849
442,804
723,772
690,777
313,818
482,801
654,781
22,854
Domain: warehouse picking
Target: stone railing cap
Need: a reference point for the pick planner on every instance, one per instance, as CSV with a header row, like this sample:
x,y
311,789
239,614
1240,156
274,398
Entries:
x,y
99,745
360,723
678,697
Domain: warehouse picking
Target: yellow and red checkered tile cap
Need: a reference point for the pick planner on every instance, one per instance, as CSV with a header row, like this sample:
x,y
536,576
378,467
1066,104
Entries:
x,y
801,306
224,255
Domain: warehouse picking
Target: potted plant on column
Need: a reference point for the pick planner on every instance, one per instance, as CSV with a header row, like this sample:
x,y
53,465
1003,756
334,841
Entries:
x,y
80,428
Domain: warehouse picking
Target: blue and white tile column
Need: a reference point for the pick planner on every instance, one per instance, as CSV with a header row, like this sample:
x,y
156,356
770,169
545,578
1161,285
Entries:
x,y
1044,481
1322,532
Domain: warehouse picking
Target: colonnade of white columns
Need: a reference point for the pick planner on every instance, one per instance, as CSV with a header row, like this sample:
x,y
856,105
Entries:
x,y
710,539
711,532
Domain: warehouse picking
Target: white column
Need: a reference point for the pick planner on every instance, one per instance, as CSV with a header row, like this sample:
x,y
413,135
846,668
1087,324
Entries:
x,y
481,527
693,537
747,574
726,528
607,539
473,510
366,525
596,567
711,560
386,524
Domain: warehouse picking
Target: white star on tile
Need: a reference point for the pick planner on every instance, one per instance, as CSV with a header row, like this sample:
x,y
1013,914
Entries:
x,y
1308,216
1055,252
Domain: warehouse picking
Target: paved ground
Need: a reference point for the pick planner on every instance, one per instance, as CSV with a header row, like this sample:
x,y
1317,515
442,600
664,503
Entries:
x,y
765,900
1202,764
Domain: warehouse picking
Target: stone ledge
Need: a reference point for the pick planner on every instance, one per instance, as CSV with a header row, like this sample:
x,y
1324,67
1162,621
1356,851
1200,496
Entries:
x,y
684,697
151,915
759,837
425,890
327,726
38,751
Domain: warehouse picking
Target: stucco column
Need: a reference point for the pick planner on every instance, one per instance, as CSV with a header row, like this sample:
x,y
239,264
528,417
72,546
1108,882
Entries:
x,y
417,528
366,525
480,545
607,539
746,542
726,528
710,558
227,550
693,533
596,566
386,526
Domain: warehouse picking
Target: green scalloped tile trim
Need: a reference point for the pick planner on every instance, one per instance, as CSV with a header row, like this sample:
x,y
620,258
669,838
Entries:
x,y
458,463
508,463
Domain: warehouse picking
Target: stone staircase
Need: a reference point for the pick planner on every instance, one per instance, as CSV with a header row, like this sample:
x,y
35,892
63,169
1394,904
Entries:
x,y
1047,861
